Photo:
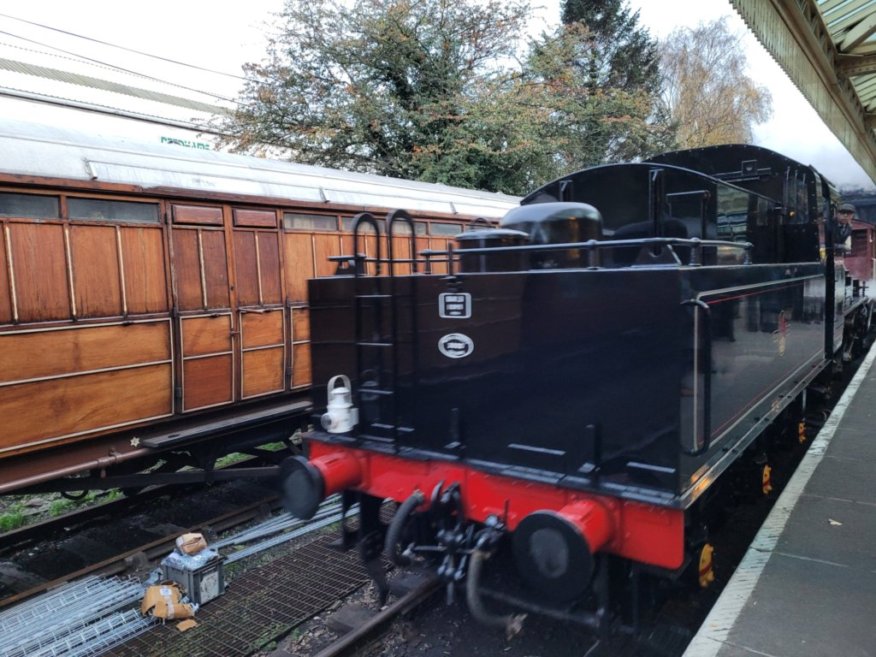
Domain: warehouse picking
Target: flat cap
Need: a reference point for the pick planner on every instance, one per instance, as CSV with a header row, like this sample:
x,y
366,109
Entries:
x,y
847,207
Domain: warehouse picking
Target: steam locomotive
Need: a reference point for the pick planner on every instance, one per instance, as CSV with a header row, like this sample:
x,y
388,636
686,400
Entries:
x,y
572,385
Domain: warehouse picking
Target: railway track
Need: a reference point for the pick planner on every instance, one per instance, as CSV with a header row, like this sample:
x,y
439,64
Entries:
x,y
358,639
52,528
121,536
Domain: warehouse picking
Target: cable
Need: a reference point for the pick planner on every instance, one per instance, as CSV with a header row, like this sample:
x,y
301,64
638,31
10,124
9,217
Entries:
x,y
113,45
112,66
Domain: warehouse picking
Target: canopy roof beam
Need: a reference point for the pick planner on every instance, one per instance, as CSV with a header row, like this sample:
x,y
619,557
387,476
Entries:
x,y
820,53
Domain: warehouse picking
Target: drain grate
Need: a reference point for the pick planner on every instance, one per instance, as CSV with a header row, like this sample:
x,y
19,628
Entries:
x,y
260,605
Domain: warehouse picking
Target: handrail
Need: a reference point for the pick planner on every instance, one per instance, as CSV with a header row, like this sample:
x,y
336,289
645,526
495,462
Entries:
x,y
592,247
707,377
598,245
358,220
391,218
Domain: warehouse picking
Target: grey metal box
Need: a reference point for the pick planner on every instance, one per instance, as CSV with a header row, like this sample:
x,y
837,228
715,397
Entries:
x,y
202,580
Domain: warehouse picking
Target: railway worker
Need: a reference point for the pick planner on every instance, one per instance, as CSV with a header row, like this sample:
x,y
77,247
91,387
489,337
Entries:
x,y
845,216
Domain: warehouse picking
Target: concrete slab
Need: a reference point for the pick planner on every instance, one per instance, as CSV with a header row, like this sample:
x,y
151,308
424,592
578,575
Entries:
x,y
727,650
832,530
349,617
803,608
406,582
844,479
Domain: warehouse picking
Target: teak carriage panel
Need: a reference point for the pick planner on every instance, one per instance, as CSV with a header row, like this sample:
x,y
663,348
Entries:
x,y
50,411
207,382
262,371
215,268
261,329
255,218
206,335
37,354
368,246
439,244
300,324
401,250
40,267
6,314
298,264
187,269
323,247
269,260
263,357
257,267
145,282
200,268
246,268
346,243
208,366
197,214
422,245
96,272
301,370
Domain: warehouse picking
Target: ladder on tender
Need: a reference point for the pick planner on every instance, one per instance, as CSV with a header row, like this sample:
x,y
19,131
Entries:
x,y
376,344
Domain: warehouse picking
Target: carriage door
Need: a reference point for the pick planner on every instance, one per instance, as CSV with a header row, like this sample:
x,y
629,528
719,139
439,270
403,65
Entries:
x,y
260,318
206,324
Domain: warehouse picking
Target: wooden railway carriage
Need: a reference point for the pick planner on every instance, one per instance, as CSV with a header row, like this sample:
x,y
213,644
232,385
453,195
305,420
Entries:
x,y
861,261
153,303
583,377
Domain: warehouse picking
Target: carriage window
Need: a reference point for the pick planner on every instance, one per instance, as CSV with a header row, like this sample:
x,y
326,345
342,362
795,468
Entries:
x,y
103,210
295,221
802,203
27,205
444,229
347,223
732,214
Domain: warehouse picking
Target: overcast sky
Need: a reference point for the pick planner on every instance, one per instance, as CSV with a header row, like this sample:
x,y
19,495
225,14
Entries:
x,y
223,36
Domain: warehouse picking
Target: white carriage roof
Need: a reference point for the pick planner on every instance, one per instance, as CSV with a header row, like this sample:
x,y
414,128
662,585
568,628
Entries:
x,y
53,151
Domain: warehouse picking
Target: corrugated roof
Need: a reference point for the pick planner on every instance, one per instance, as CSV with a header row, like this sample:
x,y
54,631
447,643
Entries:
x,y
852,28
828,50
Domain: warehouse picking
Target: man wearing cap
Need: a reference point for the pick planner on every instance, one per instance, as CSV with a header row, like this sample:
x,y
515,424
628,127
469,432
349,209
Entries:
x,y
843,235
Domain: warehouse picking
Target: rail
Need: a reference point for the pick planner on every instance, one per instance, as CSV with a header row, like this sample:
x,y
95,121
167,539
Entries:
x,y
592,248
354,639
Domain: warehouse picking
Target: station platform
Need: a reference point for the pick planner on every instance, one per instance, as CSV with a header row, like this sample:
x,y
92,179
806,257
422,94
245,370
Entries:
x,y
807,584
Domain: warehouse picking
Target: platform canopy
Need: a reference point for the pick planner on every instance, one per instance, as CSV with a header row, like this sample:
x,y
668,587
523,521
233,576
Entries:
x,y
828,49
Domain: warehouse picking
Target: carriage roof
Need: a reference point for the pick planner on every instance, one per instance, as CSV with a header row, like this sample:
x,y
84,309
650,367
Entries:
x,y
50,151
